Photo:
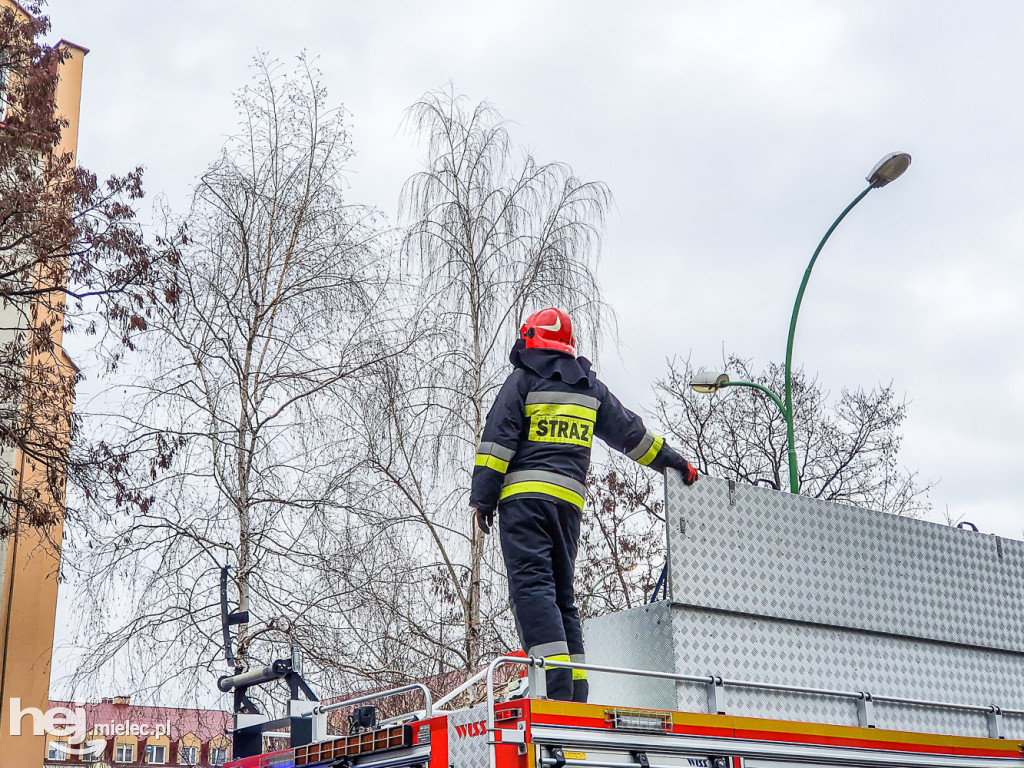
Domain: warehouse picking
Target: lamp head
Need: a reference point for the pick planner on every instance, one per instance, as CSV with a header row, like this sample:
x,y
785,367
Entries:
x,y
708,382
889,168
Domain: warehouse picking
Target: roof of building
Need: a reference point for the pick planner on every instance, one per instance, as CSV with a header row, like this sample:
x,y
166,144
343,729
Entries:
x,y
18,6
69,44
180,721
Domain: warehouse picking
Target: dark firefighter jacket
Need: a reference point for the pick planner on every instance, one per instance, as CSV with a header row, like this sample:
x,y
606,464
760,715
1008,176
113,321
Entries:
x,y
537,438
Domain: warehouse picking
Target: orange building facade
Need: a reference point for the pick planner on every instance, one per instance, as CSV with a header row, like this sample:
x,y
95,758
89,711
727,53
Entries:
x,y
30,558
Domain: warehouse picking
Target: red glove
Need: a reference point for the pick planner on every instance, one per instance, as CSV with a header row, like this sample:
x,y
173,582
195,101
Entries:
x,y
690,474
484,520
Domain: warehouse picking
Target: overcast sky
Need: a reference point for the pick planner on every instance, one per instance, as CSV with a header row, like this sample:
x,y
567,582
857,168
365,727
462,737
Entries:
x,y
731,134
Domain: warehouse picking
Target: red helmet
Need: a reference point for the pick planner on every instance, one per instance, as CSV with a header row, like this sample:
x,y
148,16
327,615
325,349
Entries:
x,y
550,328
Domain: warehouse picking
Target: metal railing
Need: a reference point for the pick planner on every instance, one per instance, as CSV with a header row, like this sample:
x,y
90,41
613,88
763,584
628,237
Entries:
x,y
462,688
716,688
325,708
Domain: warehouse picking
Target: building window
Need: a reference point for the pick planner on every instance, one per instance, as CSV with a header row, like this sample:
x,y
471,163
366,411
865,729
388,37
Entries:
x,y
156,754
90,756
5,79
125,753
218,755
57,750
188,755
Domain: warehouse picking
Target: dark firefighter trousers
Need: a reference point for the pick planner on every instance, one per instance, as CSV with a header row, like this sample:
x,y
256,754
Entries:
x,y
539,539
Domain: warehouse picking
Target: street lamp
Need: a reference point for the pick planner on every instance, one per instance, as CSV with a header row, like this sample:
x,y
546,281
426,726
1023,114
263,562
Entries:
x,y
708,383
887,170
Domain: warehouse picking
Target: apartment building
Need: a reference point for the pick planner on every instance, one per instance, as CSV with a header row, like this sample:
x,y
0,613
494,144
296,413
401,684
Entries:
x,y
119,733
30,558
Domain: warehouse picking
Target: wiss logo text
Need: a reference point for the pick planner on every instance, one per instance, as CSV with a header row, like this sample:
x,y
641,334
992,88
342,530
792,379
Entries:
x,y
472,729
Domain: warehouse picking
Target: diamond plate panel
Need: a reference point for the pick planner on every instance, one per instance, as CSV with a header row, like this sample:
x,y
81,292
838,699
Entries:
x,y
640,638
753,550
467,738
781,652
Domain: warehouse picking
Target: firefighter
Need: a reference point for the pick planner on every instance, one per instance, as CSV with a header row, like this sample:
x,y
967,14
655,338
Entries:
x,y
531,467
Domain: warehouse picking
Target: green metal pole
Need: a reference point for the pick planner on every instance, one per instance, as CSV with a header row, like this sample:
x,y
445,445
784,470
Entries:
x,y
752,385
776,400
787,410
593,589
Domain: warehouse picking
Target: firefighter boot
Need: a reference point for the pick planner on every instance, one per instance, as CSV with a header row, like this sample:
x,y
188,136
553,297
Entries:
x,y
560,685
580,687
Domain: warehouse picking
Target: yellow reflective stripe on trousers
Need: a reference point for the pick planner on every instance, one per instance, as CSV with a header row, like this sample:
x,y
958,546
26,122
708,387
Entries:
x,y
579,658
548,489
561,409
577,674
648,457
491,462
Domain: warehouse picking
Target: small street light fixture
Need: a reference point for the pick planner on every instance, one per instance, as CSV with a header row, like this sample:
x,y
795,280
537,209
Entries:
x,y
709,382
888,169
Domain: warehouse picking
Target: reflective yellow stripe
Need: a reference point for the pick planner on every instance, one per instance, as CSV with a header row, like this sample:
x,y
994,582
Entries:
x,y
487,448
561,409
642,447
577,674
541,396
648,457
491,462
548,489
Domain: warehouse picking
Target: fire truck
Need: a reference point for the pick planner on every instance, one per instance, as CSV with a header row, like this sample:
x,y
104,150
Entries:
x,y
789,633
534,732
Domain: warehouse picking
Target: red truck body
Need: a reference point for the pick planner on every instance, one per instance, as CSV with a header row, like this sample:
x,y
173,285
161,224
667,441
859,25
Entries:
x,y
537,733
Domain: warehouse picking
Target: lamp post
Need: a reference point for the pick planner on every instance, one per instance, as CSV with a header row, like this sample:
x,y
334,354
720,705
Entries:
x,y
888,169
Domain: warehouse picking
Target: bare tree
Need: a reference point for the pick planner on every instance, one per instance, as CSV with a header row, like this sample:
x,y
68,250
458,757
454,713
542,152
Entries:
x,y
849,453
622,541
491,233
848,450
247,410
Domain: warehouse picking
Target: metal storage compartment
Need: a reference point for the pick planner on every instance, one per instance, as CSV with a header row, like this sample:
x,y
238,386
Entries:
x,y
788,590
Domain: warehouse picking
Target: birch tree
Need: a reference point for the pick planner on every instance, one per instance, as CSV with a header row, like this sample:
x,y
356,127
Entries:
x,y
491,233
283,307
